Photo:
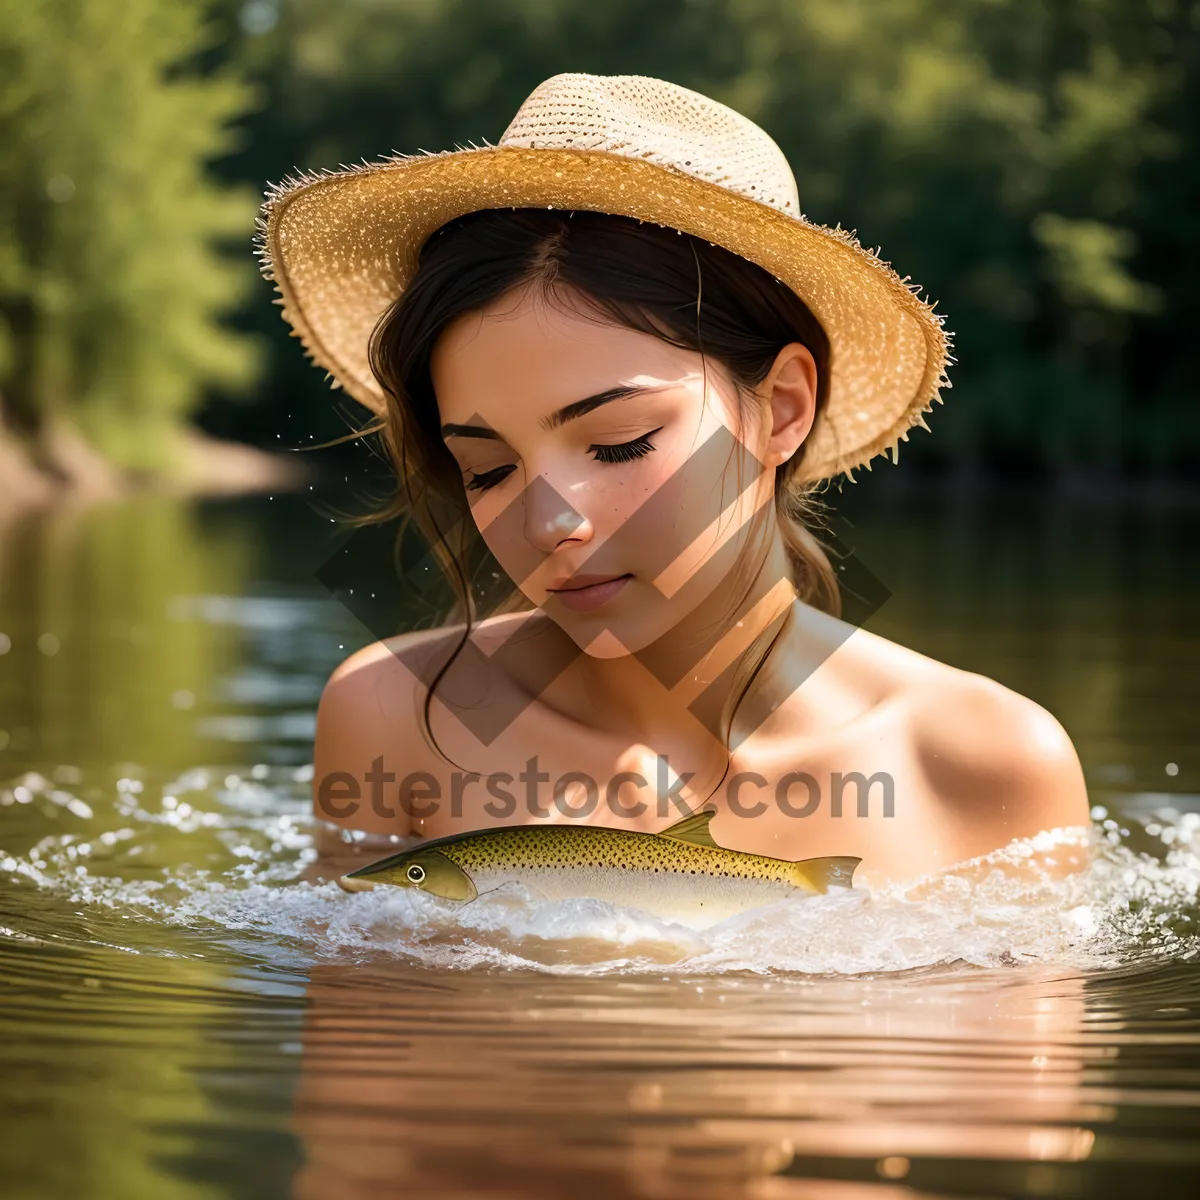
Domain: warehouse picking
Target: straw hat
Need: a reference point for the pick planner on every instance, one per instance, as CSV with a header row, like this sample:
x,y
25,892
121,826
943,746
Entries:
x,y
342,245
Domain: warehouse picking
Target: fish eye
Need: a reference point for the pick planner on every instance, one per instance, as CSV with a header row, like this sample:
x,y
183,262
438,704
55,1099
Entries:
x,y
415,873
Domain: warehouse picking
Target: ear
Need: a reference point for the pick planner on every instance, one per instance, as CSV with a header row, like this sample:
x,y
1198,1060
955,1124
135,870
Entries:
x,y
789,393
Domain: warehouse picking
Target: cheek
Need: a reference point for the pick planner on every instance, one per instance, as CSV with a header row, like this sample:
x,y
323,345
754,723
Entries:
x,y
647,513
712,514
639,500
624,505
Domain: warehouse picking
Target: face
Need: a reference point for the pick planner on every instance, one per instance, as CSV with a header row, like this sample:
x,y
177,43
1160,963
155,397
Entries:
x,y
612,475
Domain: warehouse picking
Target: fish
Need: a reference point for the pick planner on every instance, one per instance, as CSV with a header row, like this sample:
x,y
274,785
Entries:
x,y
679,875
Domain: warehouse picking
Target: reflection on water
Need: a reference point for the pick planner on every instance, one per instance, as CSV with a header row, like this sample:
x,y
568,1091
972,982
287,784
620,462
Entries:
x,y
700,1089
189,1009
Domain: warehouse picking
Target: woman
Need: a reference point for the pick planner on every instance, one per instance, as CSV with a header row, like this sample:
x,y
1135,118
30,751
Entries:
x,y
612,349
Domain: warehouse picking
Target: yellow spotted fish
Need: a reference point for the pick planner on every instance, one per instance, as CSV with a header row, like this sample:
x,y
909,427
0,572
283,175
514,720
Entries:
x,y
679,875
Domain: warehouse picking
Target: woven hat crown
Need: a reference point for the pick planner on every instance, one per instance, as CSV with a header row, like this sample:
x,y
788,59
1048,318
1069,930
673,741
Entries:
x,y
658,122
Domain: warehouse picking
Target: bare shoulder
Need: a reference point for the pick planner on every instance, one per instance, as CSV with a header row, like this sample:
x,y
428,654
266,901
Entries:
x,y
372,706
974,737
996,756
370,720
993,764
386,679
376,681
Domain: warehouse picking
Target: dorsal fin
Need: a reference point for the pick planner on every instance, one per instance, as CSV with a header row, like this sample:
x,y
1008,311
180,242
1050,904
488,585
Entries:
x,y
693,828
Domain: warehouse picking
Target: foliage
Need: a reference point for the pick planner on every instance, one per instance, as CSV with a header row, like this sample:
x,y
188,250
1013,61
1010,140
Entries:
x,y
111,282
1004,152
1031,162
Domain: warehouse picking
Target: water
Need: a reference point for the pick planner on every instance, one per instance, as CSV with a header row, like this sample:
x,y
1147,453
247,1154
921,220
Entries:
x,y
189,1008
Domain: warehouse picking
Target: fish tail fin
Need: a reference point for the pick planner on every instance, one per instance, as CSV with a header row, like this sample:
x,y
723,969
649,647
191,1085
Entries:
x,y
820,874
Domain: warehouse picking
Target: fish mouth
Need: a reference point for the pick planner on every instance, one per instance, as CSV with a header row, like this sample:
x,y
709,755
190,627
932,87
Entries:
x,y
348,883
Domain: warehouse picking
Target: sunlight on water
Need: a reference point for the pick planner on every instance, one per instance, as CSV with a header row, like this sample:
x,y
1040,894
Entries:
x,y
241,855
191,1009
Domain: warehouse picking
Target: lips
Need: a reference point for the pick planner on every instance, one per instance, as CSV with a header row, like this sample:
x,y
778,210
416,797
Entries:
x,y
574,583
581,593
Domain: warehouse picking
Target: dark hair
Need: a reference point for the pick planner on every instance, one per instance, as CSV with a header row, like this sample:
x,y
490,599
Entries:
x,y
659,281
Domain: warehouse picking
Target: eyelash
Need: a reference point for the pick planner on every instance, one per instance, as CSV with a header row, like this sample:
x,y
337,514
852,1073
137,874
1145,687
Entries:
x,y
489,479
626,451
622,453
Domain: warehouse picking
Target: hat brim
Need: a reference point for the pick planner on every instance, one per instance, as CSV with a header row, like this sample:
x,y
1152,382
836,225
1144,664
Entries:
x,y
342,246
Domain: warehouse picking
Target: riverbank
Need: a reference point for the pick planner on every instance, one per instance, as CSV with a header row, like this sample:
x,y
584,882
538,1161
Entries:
x,y
66,468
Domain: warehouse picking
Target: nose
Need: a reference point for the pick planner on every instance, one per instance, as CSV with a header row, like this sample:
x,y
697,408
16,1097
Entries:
x,y
349,884
550,519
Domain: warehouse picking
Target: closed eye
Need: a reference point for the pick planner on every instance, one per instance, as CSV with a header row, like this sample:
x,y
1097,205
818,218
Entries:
x,y
621,453
626,451
488,479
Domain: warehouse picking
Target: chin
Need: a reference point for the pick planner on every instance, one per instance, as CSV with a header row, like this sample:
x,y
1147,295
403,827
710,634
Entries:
x,y
605,645
620,639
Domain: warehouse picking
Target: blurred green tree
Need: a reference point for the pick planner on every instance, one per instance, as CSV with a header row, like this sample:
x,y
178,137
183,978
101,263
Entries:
x,y
112,279
1002,151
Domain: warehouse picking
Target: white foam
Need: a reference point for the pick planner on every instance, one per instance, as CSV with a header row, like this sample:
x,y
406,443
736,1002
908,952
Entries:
x,y
247,843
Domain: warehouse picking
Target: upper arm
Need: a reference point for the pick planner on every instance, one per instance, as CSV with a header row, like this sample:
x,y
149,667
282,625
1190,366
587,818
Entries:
x,y
1000,765
366,739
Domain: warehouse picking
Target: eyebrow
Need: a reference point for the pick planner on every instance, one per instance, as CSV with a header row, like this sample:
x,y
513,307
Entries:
x,y
569,412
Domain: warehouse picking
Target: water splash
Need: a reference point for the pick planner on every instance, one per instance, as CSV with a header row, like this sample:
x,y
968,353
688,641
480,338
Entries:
x,y
231,853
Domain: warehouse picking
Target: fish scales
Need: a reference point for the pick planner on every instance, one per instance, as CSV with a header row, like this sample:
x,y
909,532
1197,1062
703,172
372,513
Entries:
x,y
680,874
569,847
